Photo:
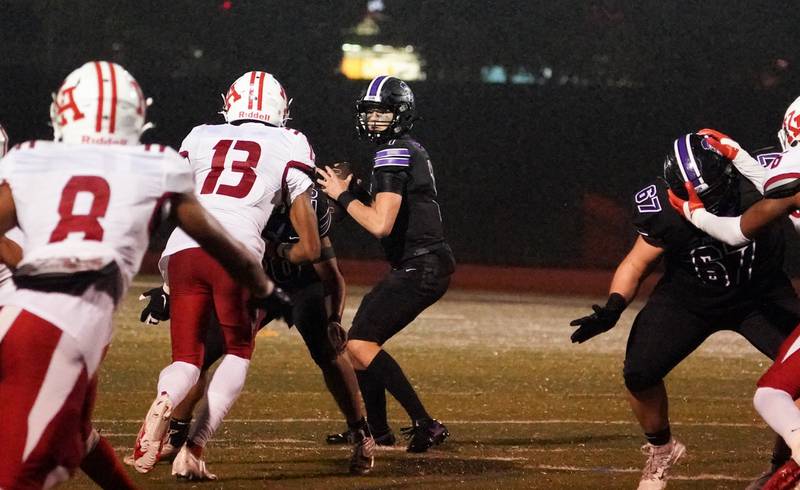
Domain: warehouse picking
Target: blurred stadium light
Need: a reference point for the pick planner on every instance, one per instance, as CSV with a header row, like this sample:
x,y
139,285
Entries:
x,y
366,62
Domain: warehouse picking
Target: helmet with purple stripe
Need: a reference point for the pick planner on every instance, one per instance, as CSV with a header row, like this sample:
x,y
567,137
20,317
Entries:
x,y
692,159
391,95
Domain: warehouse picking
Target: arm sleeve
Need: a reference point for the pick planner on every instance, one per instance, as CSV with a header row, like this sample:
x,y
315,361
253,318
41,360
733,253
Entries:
x,y
724,229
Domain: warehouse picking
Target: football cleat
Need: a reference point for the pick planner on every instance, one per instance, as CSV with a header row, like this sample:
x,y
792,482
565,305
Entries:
x,y
187,465
363,458
153,434
659,460
348,437
424,434
785,478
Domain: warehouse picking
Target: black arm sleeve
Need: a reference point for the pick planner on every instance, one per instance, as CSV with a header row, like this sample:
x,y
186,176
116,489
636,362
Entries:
x,y
394,182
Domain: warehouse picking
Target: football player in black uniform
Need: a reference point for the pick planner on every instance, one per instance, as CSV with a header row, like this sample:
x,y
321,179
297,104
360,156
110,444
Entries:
x,y
404,214
317,292
707,286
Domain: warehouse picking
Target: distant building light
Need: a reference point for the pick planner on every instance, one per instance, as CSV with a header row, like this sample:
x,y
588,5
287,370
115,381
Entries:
x,y
547,72
375,6
226,5
494,74
523,77
367,62
197,53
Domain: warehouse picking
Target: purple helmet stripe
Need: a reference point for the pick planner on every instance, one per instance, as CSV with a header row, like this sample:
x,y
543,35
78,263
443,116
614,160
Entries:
x,y
688,164
374,86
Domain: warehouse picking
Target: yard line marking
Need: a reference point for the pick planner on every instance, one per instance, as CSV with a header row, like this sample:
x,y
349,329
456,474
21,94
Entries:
x,y
469,422
606,469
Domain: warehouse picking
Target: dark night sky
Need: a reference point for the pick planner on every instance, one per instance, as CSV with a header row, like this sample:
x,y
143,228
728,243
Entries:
x,y
690,64
653,41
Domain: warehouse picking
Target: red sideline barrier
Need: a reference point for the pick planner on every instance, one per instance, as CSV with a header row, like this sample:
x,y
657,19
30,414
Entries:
x,y
585,282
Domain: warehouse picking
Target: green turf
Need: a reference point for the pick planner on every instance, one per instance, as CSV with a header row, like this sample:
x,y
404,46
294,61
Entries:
x,y
526,409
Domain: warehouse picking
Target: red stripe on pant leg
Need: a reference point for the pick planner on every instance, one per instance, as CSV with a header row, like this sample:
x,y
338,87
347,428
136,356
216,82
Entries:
x,y
63,442
25,355
191,304
230,303
784,374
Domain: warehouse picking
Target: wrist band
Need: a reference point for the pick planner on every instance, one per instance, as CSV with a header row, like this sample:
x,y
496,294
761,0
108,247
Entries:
x,y
345,198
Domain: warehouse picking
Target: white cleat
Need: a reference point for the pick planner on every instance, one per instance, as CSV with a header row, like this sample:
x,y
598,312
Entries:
x,y
152,435
187,465
659,460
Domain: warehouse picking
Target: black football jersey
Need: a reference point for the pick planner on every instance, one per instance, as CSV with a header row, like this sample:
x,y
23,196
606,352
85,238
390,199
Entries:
x,y
285,274
705,274
403,166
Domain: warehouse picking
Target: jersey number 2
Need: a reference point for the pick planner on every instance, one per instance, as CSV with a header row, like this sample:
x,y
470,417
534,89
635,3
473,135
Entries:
x,y
87,224
244,167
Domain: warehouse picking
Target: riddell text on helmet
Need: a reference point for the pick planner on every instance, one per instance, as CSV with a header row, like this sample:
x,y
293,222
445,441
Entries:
x,y
103,140
253,115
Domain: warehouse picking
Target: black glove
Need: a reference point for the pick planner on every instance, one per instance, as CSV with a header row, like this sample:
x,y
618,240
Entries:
x,y
157,309
271,306
602,320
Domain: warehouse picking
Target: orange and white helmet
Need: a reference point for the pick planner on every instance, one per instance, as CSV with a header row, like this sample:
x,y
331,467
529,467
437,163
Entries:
x,y
3,141
256,95
99,103
789,134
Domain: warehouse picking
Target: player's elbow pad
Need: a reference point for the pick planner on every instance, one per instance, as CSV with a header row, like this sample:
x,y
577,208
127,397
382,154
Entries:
x,y
724,229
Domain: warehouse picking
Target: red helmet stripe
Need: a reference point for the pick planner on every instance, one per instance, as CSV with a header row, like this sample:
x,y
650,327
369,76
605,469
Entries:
x,y
98,125
252,88
261,88
113,98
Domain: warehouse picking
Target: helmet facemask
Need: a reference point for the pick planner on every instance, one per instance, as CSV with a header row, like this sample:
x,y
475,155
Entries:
x,y
387,94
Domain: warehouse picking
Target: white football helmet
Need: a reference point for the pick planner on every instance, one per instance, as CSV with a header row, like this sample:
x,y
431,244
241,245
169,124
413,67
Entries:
x,y
789,134
3,141
259,96
99,103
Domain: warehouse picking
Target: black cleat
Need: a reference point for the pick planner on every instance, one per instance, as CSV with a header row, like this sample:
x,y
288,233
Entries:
x,y
425,434
346,437
385,439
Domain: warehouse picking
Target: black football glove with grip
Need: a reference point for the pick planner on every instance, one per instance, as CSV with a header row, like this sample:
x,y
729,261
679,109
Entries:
x,y
602,320
270,306
157,310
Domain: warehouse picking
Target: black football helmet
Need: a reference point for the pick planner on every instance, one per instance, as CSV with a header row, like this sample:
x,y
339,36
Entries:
x,y
693,160
391,94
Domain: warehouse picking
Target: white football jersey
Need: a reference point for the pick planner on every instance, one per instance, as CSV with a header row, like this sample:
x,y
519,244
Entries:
x,y
82,206
241,173
771,171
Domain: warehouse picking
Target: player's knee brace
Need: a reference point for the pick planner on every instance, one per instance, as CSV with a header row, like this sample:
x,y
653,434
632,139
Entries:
x,y
637,381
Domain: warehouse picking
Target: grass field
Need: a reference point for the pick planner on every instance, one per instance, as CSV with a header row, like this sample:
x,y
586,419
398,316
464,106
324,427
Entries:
x,y
525,408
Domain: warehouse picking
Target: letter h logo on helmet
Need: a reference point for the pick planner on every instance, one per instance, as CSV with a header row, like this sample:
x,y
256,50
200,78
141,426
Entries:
x,y
65,101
